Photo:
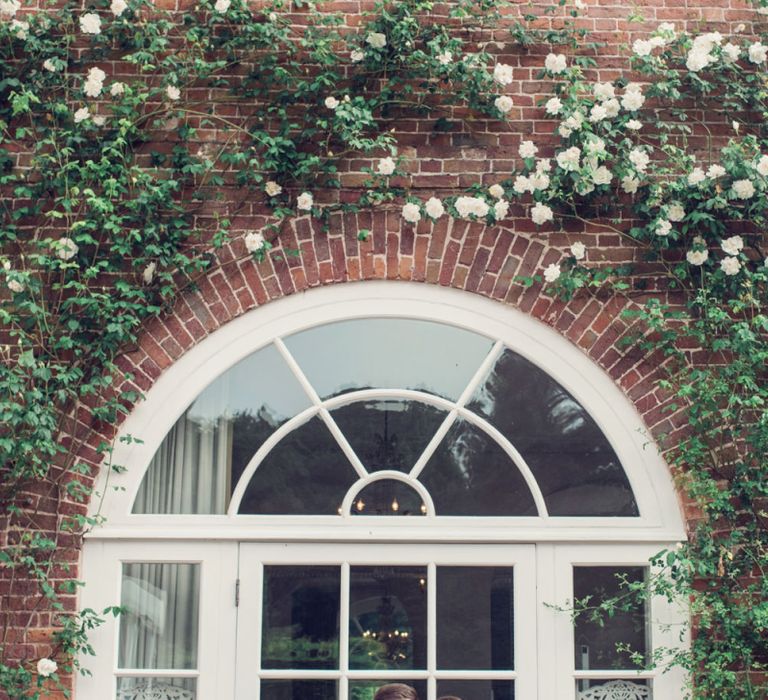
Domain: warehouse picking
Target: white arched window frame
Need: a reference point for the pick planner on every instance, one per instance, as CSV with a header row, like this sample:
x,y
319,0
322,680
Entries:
x,y
217,542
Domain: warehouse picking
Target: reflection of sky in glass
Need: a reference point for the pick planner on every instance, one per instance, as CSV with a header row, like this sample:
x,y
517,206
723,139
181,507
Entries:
x,y
390,354
260,381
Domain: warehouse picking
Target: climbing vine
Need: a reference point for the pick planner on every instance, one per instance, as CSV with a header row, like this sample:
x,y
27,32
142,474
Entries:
x,y
133,139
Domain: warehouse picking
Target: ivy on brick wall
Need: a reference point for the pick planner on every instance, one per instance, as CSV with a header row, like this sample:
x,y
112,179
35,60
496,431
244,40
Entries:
x,y
123,123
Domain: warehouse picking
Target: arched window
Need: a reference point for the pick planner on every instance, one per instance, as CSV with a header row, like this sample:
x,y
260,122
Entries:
x,y
252,537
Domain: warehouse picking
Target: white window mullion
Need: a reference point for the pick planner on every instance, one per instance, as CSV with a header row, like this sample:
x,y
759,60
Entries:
x,y
344,632
431,630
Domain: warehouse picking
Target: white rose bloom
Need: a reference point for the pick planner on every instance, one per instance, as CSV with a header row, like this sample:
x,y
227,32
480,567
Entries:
x,y
552,272
434,208
331,102
272,188
9,8
502,74
377,40
65,248
739,28
148,273
663,227
411,213
386,166
630,184
731,52
743,189
578,250
99,120
575,121
119,6
445,58
90,23
222,5
596,147
642,47
254,241
539,181
305,201
602,176
696,177
597,113
96,75
632,101
555,63
667,29
730,266
117,89
715,171
503,103
603,91
81,115
523,184
657,41
173,92
634,125
735,126
356,56
585,187
46,667
16,286
92,88
639,159
553,106
758,53
20,29
675,211
564,131
501,209
762,166
697,257
612,108
697,60
706,42
541,213
733,245
568,160
471,206
527,149
49,65
543,165
496,191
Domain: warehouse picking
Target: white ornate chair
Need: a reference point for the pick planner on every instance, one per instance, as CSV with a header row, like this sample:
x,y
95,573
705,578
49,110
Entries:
x,y
148,690
616,690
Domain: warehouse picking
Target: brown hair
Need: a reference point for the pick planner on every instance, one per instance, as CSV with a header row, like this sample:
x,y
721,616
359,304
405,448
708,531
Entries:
x,y
449,697
396,691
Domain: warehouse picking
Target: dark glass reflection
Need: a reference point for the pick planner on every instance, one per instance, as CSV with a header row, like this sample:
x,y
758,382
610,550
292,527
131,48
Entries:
x,y
469,474
298,690
388,617
388,434
575,466
477,690
203,455
365,690
388,353
300,627
598,640
306,473
388,497
476,631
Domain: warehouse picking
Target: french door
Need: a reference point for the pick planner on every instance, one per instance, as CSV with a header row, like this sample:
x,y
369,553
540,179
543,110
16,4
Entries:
x,y
334,622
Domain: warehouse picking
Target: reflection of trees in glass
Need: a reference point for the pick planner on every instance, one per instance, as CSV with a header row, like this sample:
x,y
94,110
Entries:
x,y
249,432
575,466
286,647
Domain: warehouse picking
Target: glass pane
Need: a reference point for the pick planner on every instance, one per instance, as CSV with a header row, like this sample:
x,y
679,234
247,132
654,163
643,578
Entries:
x,y
574,465
159,626
598,640
298,690
300,626
475,631
306,473
390,353
199,462
469,474
388,497
388,434
366,690
388,617
636,689
476,690
156,688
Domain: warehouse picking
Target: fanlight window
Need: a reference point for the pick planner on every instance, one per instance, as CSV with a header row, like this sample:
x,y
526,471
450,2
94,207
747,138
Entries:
x,y
386,416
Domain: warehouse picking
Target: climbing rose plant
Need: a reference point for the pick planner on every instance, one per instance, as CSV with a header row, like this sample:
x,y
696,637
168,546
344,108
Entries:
x,y
114,208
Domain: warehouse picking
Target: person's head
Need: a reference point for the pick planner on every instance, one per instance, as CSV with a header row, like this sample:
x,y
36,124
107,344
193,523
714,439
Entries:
x,y
396,691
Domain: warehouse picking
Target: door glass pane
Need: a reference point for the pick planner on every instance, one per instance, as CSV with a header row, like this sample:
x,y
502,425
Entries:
x,y
306,473
574,465
388,353
300,626
298,690
156,688
365,690
476,690
388,434
388,617
475,618
605,641
469,474
200,460
388,497
634,689
159,627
